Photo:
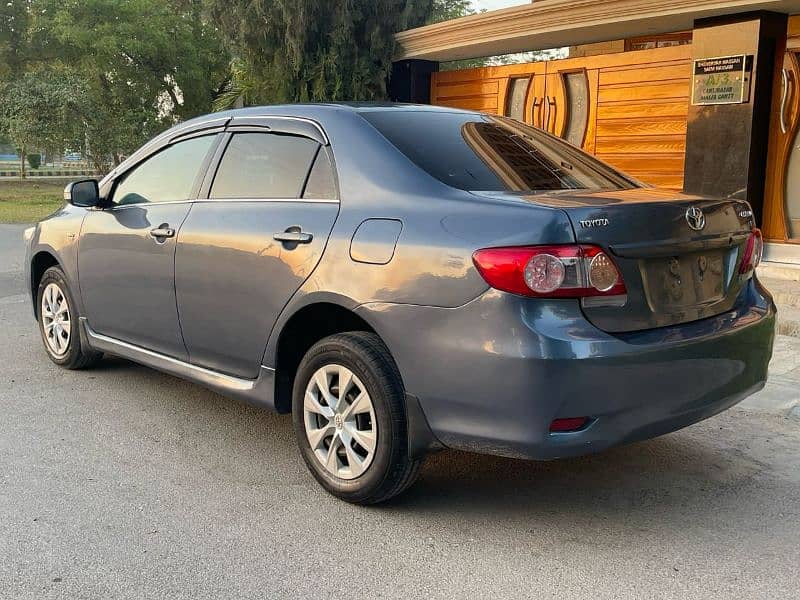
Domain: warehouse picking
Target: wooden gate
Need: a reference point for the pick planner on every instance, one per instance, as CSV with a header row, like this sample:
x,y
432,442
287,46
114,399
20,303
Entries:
x,y
782,193
629,109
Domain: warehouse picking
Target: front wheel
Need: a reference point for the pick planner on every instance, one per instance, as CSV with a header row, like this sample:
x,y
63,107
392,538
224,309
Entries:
x,y
349,418
58,323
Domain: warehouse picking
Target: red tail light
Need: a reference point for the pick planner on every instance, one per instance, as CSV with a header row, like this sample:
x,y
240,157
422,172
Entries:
x,y
753,252
567,425
550,271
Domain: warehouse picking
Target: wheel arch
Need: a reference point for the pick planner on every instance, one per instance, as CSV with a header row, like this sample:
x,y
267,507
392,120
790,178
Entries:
x,y
301,330
40,262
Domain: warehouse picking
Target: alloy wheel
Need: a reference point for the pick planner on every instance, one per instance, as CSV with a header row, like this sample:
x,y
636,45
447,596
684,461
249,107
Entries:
x,y
340,421
56,320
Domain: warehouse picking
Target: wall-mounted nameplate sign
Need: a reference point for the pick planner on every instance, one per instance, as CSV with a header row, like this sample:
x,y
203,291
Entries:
x,y
721,80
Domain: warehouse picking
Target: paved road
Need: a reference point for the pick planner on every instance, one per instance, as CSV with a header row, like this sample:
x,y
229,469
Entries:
x,y
125,483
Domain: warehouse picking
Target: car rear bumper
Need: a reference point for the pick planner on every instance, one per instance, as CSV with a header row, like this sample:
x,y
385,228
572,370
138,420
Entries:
x,y
492,375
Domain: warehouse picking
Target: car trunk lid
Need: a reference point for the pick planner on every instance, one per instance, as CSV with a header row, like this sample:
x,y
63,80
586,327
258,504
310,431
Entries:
x,y
679,255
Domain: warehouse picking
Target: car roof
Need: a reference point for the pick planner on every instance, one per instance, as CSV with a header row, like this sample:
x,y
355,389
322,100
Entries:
x,y
328,107
321,112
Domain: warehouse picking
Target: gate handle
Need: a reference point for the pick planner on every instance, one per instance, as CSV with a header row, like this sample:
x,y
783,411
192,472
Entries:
x,y
784,97
554,105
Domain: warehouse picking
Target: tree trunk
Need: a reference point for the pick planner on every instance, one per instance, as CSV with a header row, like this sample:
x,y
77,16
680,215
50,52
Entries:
x,y
22,162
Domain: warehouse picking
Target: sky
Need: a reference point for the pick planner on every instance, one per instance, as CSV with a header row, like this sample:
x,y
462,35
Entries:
x,y
495,4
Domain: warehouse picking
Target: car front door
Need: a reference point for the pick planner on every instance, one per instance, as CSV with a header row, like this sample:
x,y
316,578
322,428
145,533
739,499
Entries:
x,y
246,249
126,255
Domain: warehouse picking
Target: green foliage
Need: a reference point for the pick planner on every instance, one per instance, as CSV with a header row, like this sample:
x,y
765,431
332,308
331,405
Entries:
x,y
143,64
447,10
14,23
35,160
42,110
147,65
312,50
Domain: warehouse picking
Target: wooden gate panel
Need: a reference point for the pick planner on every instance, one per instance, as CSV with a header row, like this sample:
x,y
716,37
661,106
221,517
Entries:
x,y
638,104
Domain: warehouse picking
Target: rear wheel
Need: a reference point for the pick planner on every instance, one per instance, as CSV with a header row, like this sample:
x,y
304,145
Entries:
x,y
349,418
58,323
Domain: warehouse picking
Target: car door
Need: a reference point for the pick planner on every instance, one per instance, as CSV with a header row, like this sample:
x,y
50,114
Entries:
x,y
246,249
126,255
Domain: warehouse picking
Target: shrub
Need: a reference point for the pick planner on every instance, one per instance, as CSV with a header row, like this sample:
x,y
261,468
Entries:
x,y
35,160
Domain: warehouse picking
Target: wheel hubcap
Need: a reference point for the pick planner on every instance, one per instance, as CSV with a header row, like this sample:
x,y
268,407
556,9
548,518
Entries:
x,y
56,319
340,422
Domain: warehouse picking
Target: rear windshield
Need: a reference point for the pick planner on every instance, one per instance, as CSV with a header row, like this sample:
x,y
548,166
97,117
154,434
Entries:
x,y
486,153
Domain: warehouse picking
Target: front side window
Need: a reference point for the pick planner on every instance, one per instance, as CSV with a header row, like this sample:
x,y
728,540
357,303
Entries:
x,y
167,176
264,165
485,153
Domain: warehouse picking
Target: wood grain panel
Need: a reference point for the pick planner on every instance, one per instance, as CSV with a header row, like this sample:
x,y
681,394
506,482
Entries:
x,y
651,163
794,26
641,144
621,127
640,75
670,182
590,143
650,110
488,103
482,73
637,112
655,91
653,57
462,90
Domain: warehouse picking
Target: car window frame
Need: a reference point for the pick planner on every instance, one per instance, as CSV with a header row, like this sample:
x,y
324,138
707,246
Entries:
x,y
267,125
179,137
329,155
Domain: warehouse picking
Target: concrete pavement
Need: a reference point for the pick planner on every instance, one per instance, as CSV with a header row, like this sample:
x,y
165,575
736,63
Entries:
x,y
122,482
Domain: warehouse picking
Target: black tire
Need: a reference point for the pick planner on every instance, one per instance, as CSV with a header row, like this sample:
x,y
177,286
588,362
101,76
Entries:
x,y
391,470
74,356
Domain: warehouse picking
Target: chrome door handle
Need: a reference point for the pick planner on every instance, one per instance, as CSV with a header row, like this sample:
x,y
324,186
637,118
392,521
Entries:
x,y
784,97
162,232
293,235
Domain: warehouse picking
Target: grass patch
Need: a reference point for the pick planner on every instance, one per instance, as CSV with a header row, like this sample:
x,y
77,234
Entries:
x,y
28,201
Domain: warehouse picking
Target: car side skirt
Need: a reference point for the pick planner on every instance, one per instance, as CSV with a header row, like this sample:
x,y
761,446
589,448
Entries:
x,y
257,392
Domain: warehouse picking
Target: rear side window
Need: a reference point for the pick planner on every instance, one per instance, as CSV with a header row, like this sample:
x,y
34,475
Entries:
x,y
165,177
484,153
264,165
321,184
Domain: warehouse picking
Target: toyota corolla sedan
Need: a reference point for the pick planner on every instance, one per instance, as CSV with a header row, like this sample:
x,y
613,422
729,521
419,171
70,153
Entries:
x,y
403,279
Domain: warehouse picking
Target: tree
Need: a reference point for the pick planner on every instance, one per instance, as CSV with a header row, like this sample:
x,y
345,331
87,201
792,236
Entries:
x,y
14,29
143,64
312,50
147,64
447,10
41,110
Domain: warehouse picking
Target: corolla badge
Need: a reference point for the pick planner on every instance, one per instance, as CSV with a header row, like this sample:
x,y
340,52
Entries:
x,y
695,218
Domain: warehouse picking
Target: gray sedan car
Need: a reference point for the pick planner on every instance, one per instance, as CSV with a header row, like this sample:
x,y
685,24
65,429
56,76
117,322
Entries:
x,y
404,279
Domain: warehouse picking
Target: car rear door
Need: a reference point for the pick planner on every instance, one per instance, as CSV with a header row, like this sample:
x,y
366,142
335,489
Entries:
x,y
269,204
126,254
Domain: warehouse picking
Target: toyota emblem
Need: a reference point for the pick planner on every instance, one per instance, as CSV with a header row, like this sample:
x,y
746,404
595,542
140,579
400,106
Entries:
x,y
695,218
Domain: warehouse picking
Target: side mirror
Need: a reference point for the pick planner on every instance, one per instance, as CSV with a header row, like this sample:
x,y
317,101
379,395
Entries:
x,y
84,193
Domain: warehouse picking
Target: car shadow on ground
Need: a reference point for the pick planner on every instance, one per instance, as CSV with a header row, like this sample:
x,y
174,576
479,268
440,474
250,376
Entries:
x,y
676,478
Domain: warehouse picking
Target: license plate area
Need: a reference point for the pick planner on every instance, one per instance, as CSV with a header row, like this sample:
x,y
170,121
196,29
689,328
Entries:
x,y
692,279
